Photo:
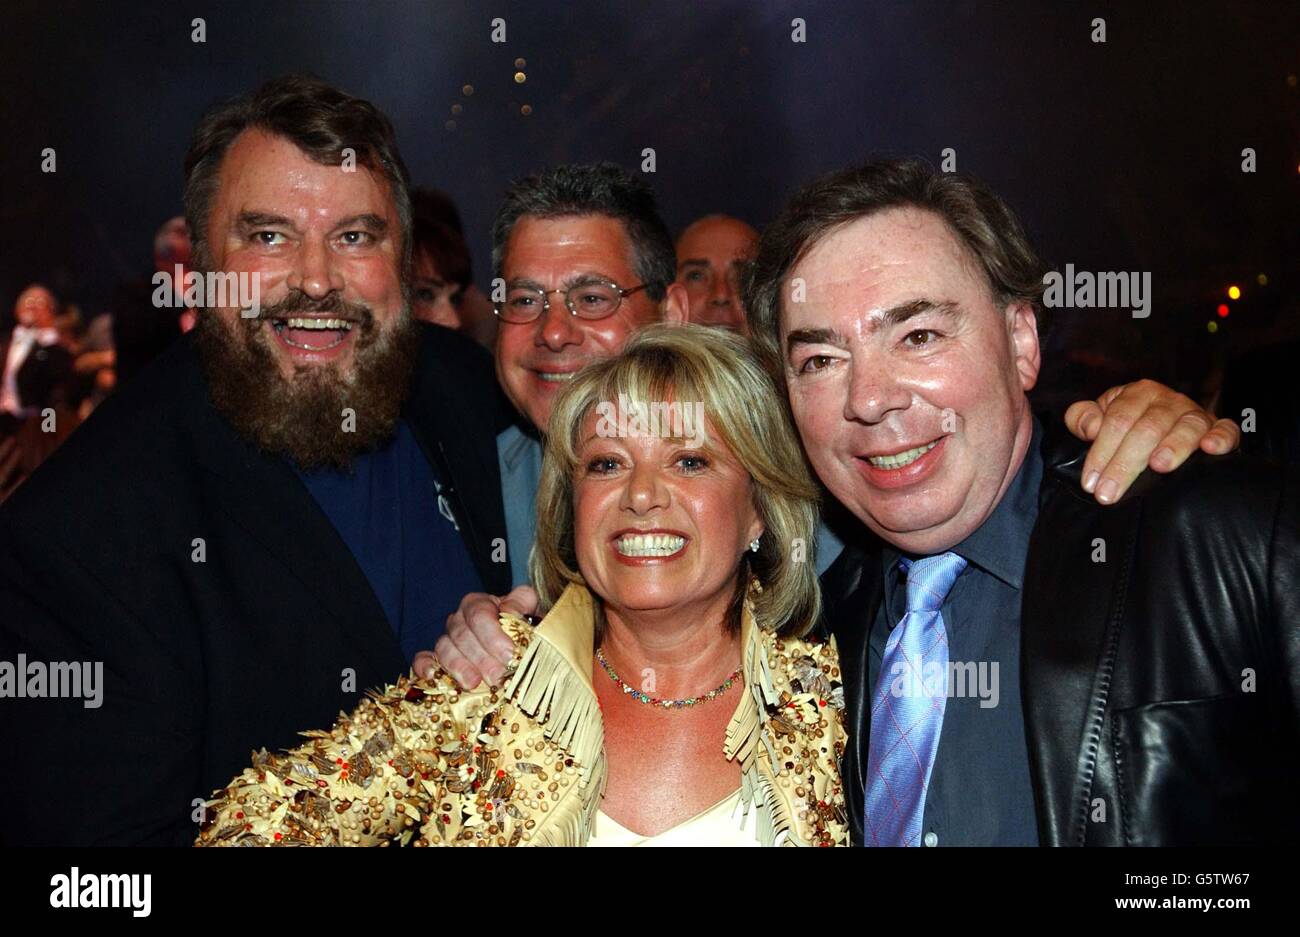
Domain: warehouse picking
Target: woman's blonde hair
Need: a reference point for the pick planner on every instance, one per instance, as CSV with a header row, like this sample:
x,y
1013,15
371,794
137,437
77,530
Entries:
x,y
747,414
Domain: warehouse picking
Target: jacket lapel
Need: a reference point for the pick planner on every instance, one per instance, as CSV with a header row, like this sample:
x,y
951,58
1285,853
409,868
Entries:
x,y
1070,617
851,590
458,438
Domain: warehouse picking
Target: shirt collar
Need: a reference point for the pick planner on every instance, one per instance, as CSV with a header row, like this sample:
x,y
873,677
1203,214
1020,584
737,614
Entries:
x,y
1000,545
515,444
33,334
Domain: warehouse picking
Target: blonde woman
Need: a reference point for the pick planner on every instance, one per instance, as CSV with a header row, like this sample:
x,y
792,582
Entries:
x,y
669,694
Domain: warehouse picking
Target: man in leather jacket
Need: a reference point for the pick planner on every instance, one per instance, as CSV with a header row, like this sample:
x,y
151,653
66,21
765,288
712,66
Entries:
x,y
1134,671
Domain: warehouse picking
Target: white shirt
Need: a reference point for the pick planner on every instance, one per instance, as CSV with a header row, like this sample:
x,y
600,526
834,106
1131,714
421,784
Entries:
x,y
21,343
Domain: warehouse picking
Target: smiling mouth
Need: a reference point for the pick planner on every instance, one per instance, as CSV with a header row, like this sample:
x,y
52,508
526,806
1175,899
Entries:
x,y
900,459
649,544
555,377
312,333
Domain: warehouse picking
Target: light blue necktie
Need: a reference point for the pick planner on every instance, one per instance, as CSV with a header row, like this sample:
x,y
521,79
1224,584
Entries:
x,y
907,707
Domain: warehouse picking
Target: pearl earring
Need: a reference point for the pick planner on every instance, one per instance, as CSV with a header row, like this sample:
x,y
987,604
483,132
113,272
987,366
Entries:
x,y
753,545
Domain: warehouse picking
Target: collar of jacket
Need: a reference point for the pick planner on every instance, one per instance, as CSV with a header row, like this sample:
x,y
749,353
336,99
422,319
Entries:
x,y
552,682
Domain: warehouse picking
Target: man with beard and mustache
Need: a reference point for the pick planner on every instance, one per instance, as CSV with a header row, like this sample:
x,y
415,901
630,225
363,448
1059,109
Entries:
x,y
272,517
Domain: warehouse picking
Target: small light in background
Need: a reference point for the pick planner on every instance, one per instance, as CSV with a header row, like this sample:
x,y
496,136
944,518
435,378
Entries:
x,y
520,63
1211,326
467,90
526,109
1262,279
1234,292
1223,310
520,78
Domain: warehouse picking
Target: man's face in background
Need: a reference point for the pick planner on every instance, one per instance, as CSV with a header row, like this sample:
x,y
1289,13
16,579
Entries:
x,y
333,330
172,246
535,359
35,308
711,254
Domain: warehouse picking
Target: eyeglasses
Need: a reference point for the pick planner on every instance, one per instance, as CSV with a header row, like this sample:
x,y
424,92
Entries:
x,y
597,299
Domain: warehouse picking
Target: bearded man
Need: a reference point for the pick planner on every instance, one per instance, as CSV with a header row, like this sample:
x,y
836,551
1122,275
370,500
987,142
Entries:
x,y
270,519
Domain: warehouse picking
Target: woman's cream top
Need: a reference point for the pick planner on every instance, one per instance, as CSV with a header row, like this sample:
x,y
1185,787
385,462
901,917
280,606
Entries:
x,y
726,823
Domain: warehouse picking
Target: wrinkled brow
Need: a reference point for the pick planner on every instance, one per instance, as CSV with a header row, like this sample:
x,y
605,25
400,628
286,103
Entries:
x,y
367,220
249,221
815,337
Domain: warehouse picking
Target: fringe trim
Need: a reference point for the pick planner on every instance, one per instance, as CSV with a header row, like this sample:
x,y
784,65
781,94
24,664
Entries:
x,y
546,687
776,824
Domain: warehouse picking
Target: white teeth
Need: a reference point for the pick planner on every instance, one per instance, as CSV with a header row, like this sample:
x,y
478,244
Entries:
x,y
899,459
555,378
649,544
313,323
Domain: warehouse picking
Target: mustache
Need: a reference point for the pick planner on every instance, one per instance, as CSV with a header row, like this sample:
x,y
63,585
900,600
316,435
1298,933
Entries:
x,y
299,303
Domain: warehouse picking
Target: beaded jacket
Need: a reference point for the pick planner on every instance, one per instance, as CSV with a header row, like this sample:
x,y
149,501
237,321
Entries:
x,y
425,763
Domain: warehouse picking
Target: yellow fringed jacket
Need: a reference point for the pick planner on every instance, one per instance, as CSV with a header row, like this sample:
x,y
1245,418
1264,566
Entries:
x,y
525,765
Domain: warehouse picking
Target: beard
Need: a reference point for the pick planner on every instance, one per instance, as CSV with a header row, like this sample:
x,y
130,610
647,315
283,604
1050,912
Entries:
x,y
303,417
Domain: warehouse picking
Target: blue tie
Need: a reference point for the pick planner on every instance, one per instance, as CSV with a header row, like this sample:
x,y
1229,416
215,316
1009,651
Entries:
x,y
907,707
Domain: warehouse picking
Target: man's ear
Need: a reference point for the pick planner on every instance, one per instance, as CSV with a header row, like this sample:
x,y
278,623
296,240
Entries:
x,y
1024,343
676,305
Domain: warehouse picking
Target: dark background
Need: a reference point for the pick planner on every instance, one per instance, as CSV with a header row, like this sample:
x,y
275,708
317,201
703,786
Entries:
x,y
1119,156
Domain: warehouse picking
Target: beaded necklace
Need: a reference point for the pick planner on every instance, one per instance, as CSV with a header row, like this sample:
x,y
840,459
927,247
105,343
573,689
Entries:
x,y
665,703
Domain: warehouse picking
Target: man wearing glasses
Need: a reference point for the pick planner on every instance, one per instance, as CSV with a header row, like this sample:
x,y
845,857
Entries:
x,y
586,261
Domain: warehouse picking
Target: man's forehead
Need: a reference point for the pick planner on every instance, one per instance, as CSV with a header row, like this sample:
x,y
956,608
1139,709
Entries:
x,y
716,237
265,172
877,260
574,242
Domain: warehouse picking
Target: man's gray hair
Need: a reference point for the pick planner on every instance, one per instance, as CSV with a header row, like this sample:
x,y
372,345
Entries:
x,y
581,189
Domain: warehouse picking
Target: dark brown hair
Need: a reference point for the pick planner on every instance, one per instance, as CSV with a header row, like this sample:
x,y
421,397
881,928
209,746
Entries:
x,y
438,232
319,119
982,222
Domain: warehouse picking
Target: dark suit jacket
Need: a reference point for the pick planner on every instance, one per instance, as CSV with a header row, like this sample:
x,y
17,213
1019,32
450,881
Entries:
x,y
1161,687
276,631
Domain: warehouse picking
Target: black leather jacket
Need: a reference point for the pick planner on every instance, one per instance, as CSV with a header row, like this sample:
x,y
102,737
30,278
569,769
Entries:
x,y
1161,687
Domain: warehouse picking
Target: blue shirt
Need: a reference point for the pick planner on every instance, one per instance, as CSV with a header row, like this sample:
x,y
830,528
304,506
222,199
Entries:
x,y
519,457
980,792
400,529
